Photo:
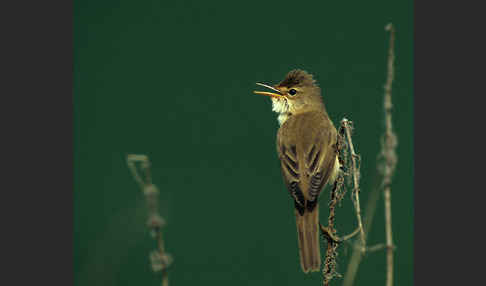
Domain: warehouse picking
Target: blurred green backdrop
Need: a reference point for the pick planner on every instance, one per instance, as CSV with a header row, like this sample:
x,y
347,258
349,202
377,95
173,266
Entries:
x,y
174,80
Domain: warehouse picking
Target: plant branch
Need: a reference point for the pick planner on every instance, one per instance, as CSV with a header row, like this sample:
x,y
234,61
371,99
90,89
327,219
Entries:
x,y
386,167
344,143
160,260
336,239
358,254
347,125
329,269
389,143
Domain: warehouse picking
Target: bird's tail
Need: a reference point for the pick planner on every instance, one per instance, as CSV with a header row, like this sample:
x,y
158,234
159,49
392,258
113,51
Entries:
x,y
308,236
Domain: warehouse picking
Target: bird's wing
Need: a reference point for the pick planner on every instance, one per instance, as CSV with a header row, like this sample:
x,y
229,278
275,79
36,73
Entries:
x,y
307,153
291,172
320,167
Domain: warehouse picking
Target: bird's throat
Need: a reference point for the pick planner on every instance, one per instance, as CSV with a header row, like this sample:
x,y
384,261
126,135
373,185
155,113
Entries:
x,y
281,106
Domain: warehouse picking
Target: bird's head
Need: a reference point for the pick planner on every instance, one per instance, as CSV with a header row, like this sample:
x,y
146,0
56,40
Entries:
x,y
296,93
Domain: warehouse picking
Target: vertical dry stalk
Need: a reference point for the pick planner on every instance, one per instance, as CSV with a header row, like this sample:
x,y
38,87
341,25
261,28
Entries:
x,y
386,167
160,260
347,125
388,155
358,254
329,232
329,269
337,193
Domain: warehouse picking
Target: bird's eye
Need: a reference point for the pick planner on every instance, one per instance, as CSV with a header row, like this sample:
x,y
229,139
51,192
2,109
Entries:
x,y
292,91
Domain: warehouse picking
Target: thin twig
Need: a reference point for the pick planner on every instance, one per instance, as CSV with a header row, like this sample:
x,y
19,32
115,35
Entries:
x,y
346,127
386,168
329,235
351,235
390,158
358,254
355,171
329,269
160,260
344,143
377,247
131,160
337,193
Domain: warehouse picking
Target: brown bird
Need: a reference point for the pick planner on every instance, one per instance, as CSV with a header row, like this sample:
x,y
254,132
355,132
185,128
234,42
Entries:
x,y
306,147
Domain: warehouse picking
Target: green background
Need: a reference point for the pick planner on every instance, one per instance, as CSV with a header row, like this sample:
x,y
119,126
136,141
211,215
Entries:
x,y
174,80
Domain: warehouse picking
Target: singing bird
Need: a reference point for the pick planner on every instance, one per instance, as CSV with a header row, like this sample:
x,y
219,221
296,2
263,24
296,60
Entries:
x,y
306,147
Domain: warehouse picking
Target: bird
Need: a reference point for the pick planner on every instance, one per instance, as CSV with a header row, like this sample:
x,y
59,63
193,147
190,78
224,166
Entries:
x,y
307,150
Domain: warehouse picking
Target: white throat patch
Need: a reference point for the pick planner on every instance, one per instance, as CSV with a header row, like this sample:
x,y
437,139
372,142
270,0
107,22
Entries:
x,y
281,106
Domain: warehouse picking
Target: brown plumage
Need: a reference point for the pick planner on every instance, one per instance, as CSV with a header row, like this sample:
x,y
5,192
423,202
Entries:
x,y
306,147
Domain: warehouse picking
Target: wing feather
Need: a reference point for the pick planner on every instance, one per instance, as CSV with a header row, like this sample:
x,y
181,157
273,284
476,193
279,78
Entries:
x,y
307,155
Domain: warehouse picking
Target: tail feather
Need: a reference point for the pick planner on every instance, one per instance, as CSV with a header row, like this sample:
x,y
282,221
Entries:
x,y
308,237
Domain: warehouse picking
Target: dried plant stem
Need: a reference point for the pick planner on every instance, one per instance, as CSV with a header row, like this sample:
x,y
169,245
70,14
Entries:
x,y
346,127
160,260
329,269
160,244
358,254
351,235
389,239
386,167
355,171
389,144
329,235
337,193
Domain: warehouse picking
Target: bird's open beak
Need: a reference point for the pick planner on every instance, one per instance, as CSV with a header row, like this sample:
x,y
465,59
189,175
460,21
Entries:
x,y
271,94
